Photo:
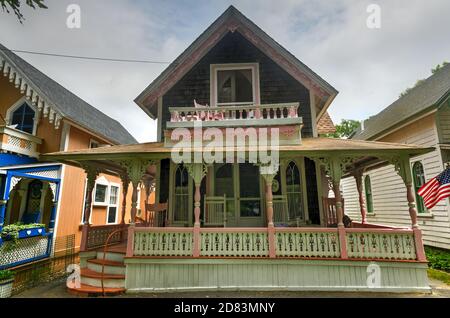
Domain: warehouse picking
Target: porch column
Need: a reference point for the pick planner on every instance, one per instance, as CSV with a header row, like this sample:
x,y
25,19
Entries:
x,y
135,169
358,174
125,184
197,172
334,167
91,175
403,168
268,180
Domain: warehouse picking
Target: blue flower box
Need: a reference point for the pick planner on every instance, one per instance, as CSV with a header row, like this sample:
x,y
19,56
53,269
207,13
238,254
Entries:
x,y
38,231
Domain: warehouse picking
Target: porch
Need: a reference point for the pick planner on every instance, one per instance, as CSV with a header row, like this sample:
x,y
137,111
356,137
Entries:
x,y
205,233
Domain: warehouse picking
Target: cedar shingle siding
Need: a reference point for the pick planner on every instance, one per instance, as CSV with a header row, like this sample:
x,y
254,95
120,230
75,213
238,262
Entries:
x,y
276,85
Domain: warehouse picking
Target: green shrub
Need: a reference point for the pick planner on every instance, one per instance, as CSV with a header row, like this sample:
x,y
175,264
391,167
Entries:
x,y
5,274
438,258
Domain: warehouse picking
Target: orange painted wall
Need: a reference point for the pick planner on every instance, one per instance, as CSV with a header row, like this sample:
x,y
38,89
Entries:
x,y
51,137
9,95
72,194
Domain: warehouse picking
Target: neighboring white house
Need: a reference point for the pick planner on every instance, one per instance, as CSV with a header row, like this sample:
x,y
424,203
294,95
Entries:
x,y
421,117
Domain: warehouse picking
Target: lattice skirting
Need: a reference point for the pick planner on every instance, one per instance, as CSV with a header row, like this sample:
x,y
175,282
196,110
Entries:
x,y
152,275
6,288
26,249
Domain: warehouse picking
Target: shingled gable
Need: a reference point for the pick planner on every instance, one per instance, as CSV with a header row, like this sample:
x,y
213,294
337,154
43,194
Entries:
x,y
421,99
234,21
56,102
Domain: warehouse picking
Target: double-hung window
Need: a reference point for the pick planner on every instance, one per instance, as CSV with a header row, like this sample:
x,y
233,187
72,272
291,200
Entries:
x,y
234,84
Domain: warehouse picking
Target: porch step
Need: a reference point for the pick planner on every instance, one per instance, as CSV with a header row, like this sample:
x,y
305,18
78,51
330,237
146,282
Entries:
x,y
87,290
115,256
110,267
93,278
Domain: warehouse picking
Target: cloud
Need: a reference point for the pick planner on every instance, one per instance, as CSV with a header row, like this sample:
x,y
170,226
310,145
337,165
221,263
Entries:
x,y
368,67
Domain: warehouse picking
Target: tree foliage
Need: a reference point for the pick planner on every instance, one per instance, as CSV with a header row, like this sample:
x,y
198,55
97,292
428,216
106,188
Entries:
x,y
14,5
345,128
433,70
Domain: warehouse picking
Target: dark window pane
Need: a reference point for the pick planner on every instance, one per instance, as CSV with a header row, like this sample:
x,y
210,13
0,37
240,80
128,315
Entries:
x,y
224,181
369,199
112,211
23,117
100,193
249,180
419,181
235,86
250,208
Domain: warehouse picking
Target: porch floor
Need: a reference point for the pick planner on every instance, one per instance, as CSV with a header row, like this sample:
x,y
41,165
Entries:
x,y
118,248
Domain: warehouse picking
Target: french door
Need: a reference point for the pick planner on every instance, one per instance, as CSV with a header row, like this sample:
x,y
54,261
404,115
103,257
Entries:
x,y
241,185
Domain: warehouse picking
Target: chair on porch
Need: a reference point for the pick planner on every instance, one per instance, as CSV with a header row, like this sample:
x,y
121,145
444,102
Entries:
x,y
155,215
215,208
329,207
280,209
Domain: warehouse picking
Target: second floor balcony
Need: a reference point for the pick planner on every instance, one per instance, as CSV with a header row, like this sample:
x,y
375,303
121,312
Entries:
x,y
18,142
235,116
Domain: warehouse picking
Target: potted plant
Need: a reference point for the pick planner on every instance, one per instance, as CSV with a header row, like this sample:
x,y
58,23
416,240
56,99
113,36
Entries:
x,y
6,283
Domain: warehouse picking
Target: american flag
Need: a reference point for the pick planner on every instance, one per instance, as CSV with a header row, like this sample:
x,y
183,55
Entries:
x,y
436,189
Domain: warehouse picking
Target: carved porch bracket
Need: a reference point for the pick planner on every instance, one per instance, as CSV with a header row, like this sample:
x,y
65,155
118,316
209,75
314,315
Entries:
x,y
134,171
402,167
197,171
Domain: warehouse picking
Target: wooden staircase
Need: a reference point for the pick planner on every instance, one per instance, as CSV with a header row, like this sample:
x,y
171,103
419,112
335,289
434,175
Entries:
x,y
113,273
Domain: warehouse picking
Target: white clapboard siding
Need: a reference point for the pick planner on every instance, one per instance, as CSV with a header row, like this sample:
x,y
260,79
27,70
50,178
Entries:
x,y
389,192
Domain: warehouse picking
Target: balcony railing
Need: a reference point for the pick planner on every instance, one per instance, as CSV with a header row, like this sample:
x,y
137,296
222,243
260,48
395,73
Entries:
x,y
17,141
269,114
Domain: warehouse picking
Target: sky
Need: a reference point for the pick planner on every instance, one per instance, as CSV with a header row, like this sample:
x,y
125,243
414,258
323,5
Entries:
x,y
369,67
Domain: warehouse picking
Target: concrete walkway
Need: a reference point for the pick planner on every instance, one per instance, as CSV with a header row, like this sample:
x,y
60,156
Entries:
x,y
57,289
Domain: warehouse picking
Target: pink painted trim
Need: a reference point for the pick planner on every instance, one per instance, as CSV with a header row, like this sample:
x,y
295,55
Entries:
x,y
376,226
84,237
164,229
130,243
376,230
271,239
420,251
305,230
343,242
196,247
234,230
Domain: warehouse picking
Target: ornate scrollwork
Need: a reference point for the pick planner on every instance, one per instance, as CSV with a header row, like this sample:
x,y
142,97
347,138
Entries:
x,y
197,171
92,173
135,168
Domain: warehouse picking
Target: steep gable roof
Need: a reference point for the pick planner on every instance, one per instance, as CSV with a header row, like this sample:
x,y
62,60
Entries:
x,y
232,20
422,98
53,96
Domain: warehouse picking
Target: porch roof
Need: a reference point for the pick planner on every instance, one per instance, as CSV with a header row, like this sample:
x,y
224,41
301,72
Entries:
x,y
366,152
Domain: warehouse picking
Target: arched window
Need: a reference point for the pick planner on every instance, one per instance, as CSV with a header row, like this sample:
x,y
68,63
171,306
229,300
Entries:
x,y
419,181
294,192
23,117
368,190
181,207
